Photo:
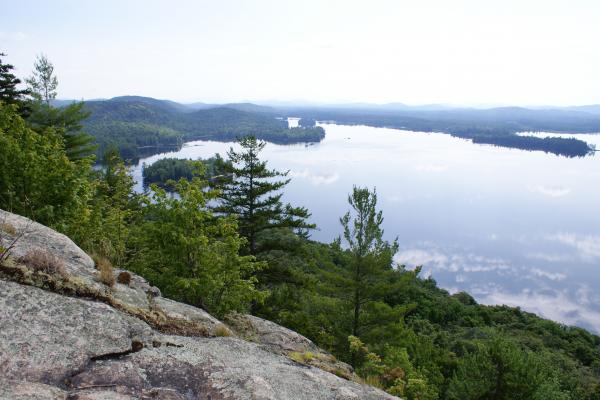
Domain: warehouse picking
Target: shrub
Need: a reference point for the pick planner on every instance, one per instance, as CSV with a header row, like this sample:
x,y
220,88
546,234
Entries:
x,y
124,278
105,268
43,261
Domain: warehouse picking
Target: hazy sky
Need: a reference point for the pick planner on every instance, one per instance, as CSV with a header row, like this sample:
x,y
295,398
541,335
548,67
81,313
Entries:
x,y
461,51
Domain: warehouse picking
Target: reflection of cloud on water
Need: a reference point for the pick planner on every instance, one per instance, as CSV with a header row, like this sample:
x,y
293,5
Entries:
x,y
549,257
431,168
414,257
555,305
553,276
551,191
457,262
315,179
468,272
587,246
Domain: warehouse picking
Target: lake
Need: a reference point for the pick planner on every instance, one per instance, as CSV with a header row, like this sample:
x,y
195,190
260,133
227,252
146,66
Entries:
x,y
508,226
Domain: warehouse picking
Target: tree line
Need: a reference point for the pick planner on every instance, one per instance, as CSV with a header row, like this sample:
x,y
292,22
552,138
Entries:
x,y
228,243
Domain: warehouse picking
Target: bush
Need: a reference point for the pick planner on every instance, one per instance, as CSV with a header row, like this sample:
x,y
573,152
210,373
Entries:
x,y
43,261
124,278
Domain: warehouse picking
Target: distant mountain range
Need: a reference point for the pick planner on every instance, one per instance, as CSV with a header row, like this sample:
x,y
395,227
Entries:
x,y
135,123
284,106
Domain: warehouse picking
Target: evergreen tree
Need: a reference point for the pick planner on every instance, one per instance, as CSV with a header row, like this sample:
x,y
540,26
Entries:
x,y
78,144
37,179
112,210
370,256
67,120
501,370
251,192
9,91
43,83
190,254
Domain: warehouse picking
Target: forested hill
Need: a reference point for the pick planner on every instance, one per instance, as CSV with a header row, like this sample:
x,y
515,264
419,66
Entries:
x,y
497,126
141,125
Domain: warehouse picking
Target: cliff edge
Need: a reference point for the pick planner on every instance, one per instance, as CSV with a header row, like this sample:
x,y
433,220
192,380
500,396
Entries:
x,y
66,334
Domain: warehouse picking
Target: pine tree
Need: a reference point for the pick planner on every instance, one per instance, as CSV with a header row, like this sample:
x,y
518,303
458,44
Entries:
x,y
66,120
43,83
190,254
9,92
371,256
251,192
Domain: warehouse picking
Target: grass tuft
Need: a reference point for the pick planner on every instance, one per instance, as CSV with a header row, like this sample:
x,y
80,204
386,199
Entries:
x,y
302,358
8,228
43,261
222,331
105,270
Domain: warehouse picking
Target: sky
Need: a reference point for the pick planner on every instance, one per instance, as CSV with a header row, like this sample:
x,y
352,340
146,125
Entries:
x,y
463,52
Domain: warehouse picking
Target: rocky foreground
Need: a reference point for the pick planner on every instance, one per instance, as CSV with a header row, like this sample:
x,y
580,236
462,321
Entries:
x,y
66,334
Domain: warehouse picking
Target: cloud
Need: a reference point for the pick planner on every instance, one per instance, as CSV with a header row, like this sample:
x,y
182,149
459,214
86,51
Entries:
x,y
551,191
316,179
588,246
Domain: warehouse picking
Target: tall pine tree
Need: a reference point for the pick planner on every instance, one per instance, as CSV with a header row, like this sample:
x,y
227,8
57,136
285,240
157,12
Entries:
x,y
66,120
251,192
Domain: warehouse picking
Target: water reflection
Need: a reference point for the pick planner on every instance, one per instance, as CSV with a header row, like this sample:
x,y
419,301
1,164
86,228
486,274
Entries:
x,y
509,226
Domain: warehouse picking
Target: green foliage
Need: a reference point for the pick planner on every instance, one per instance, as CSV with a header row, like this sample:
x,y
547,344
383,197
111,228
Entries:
x,y
68,121
141,125
500,369
174,169
252,194
9,90
190,254
112,210
370,258
37,179
43,83
133,139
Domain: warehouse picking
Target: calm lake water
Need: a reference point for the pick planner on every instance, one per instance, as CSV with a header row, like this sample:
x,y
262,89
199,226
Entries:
x,y
508,226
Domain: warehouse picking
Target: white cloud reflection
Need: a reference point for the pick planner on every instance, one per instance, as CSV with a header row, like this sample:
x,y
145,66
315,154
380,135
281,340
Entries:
x,y
468,272
316,179
587,246
551,191
554,305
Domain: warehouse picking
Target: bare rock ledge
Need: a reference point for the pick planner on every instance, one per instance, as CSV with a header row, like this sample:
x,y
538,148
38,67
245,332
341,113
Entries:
x,y
68,336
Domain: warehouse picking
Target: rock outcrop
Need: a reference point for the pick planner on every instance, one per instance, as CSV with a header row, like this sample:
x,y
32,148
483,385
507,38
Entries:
x,y
66,335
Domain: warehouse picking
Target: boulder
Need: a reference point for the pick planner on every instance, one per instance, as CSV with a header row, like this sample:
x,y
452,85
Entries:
x,y
69,336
